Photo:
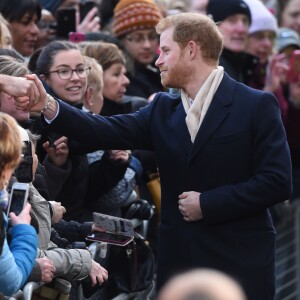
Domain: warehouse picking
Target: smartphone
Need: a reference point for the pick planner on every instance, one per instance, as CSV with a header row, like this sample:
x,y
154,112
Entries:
x,y
293,74
113,224
24,170
76,37
18,197
66,22
110,238
52,137
85,8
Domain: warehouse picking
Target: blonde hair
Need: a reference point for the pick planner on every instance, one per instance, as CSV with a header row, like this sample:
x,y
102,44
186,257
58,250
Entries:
x,y
198,28
12,66
95,77
10,143
4,26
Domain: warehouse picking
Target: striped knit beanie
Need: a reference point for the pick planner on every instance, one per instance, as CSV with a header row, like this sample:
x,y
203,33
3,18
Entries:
x,y
131,15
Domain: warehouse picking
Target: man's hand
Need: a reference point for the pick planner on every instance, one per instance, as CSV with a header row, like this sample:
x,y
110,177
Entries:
x,y
58,211
47,268
98,274
189,206
29,92
18,87
121,155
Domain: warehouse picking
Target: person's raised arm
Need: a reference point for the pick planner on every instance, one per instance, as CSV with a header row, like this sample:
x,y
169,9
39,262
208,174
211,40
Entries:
x,y
91,23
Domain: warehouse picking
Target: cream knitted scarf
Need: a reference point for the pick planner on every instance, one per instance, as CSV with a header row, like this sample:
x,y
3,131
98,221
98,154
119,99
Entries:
x,y
195,111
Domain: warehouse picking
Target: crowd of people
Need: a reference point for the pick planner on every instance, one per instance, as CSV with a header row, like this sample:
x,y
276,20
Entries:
x,y
204,93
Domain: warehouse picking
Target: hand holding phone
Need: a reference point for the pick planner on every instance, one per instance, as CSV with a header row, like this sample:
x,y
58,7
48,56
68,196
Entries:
x,y
23,218
18,198
91,22
112,230
57,150
293,74
85,8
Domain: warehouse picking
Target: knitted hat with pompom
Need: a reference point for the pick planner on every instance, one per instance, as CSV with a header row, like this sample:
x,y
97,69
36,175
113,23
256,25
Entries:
x,y
132,15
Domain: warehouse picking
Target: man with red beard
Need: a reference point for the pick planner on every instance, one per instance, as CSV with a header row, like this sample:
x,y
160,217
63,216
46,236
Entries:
x,y
222,155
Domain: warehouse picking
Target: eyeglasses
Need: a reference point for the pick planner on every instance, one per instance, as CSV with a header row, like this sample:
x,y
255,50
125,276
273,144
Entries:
x,y
46,25
263,35
67,73
141,38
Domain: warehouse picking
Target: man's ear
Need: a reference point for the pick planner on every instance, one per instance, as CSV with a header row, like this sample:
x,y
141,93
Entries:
x,y
193,49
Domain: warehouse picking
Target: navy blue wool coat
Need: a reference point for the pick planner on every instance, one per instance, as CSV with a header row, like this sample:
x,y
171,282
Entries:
x,y
239,162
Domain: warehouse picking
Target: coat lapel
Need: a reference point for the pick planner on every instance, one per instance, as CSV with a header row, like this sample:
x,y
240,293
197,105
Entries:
x,y
179,127
217,112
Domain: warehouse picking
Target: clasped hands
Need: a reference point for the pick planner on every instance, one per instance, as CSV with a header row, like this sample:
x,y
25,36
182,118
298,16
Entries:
x,y
189,206
28,92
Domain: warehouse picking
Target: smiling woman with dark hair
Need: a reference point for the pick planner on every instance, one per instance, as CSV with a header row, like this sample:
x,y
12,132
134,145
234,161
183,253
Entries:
x,y
62,68
23,17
